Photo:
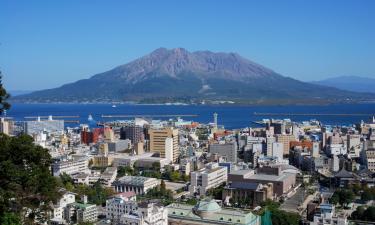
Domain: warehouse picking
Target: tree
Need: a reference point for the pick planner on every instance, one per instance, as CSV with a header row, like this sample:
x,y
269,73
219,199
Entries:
x,y
280,217
10,219
25,179
4,105
342,196
162,187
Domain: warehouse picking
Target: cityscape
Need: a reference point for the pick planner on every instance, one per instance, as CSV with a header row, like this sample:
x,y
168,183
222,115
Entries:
x,y
106,120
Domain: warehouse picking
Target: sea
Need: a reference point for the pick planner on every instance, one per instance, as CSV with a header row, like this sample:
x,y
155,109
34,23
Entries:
x,y
230,116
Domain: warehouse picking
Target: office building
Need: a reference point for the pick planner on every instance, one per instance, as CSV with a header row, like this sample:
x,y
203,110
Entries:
x,y
285,139
159,142
70,167
132,132
228,151
6,126
211,176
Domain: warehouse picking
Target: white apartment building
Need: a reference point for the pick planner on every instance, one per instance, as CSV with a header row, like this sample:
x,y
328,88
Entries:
x,y
124,209
70,167
327,216
147,213
210,177
58,209
120,204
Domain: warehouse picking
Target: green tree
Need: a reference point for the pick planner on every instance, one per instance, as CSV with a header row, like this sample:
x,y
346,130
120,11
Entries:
x,y
280,217
10,219
342,197
4,105
25,178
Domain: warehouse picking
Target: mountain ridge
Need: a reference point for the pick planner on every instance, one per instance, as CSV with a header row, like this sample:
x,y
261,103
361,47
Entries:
x,y
167,75
349,83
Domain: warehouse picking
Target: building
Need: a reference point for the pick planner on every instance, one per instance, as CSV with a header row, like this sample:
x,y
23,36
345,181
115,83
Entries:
x,y
137,184
277,150
369,157
283,181
159,142
90,137
269,144
122,203
124,209
147,213
285,139
132,132
119,145
209,212
6,126
58,209
49,126
228,150
326,215
252,193
81,212
211,176
70,167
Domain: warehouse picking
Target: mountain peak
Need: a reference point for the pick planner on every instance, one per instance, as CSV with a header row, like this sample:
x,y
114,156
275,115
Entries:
x,y
177,73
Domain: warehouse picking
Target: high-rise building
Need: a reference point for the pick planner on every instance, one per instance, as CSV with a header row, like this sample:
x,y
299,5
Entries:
x,y
277,150
285,139
133,133
228,150
159,143
6,126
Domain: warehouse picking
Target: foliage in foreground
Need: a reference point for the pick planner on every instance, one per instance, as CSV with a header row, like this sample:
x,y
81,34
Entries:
x,y
25,180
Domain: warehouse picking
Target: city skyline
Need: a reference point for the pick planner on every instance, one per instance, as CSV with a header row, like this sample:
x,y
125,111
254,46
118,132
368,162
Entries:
x,y
307,41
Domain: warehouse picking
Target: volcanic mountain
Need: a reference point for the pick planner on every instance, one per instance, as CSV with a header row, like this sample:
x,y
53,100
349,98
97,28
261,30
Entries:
x,y
171,75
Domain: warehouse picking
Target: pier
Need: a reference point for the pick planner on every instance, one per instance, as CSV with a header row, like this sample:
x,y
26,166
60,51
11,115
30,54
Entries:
x,y
312,114
149,116
46,117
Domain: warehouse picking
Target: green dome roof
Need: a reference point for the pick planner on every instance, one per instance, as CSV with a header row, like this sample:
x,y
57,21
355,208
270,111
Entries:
x,y
207,205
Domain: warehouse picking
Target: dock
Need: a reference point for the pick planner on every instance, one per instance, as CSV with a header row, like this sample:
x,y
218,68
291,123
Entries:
x,y
149,116
312,114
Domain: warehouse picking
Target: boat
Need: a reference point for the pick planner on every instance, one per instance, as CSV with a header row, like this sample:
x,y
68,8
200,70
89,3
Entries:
x,y
114,106
90,118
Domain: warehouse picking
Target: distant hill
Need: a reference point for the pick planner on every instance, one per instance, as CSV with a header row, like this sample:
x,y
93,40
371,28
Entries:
x,y
179,75
349,83
18,92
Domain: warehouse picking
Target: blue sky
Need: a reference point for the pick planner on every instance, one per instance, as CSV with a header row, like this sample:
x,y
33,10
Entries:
x,y
44,44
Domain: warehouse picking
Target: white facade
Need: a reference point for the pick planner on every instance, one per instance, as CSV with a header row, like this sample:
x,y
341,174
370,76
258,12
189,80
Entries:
x,y
147,213
316,149
50,126
58,209
118,205
138,184
70,167
169,149
210,177
336,149
277,150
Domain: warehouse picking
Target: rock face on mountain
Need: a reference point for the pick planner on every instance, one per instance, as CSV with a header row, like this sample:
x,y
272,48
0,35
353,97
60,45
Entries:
x,y
179,75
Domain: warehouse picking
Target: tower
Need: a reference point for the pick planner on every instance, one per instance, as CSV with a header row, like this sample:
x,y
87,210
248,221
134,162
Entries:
x,y
215,120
